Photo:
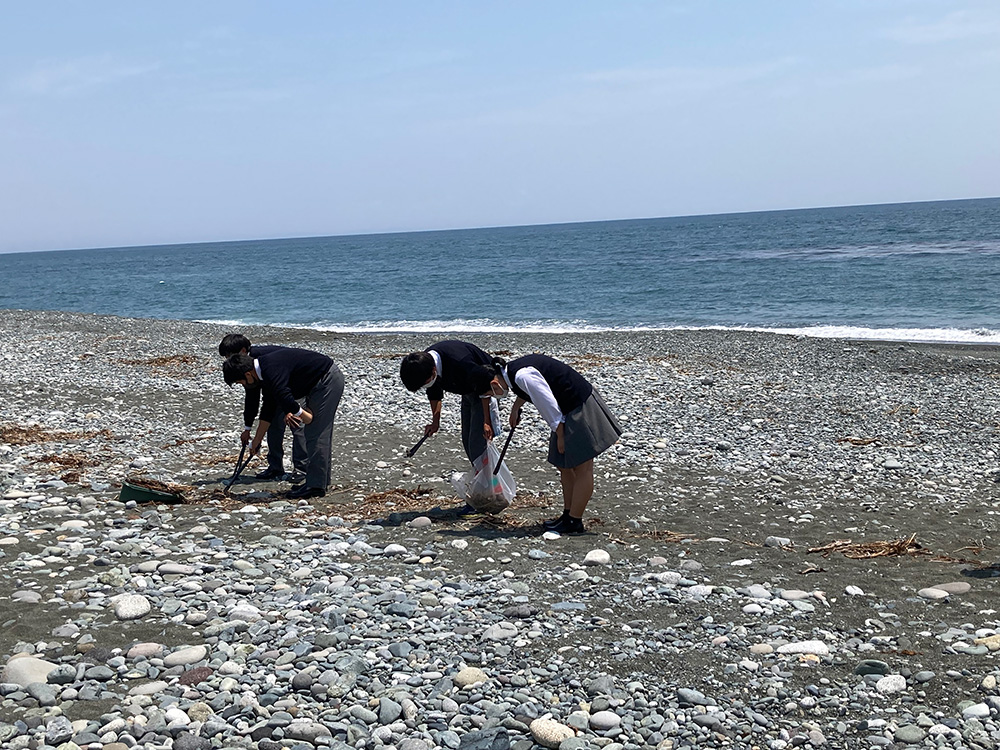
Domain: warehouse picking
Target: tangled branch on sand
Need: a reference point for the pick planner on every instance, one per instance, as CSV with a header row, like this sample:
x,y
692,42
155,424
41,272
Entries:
x,y
673,537
173,365
181,490
397,500
17,435
866,550
859,441
414,501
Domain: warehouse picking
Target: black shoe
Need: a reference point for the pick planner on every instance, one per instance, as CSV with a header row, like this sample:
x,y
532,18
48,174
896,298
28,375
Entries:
x,y
569,525
553,522
270,473
467,511
305,493
295,477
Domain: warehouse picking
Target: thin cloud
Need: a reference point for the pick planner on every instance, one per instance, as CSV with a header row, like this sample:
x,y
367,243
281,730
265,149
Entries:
x,y
880,74
955,26
75,76
694,79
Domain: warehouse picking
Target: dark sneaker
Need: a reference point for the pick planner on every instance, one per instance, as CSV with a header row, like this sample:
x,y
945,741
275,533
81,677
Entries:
x,y
553,522
467,511
269,473
568,525
305,493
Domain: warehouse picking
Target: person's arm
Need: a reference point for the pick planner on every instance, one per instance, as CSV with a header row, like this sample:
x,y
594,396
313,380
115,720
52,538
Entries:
x,y
258,438
487,422
251,407
515,412
531,382
303,416
435,424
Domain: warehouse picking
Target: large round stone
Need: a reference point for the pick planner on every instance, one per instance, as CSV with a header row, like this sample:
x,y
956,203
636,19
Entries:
x,y
185,656
549,733
131,607
597,557
24,670
469,676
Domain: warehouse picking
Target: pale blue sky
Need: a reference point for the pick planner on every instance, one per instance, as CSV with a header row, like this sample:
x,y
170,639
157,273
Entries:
x,y
125,123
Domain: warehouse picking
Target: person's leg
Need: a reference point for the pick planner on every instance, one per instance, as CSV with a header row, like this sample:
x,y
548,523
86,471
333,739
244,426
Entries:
x,y
583,488
578,481
300,457
566,480
322,402
275,452
472,417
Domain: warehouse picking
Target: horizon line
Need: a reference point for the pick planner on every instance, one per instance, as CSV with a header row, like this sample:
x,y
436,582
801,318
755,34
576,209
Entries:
x,y
493,226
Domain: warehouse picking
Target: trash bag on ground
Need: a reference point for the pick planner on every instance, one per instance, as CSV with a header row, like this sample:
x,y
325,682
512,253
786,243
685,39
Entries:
x,y
482,489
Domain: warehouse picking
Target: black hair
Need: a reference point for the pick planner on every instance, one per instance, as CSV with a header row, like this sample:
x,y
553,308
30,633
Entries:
x,y
236,368
415,370
233,343
482,376
498,364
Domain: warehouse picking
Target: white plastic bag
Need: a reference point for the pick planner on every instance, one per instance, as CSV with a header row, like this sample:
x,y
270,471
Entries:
x,y
482,489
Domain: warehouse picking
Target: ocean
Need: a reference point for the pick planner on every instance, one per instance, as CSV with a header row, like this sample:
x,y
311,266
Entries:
x,y
915,271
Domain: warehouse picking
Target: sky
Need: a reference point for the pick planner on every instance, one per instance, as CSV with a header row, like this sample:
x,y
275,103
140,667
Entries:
x,y
125,123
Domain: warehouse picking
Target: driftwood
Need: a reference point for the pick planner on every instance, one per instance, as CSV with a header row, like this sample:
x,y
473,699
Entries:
x,y
157,486
866,550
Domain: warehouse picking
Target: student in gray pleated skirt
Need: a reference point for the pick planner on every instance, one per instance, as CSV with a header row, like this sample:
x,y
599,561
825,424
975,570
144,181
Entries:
x,y
582,425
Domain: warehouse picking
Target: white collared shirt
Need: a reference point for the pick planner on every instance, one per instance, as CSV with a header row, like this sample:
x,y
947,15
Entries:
x,y
531,381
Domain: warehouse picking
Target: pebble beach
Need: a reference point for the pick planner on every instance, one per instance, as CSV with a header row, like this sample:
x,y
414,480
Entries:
x,y
791,546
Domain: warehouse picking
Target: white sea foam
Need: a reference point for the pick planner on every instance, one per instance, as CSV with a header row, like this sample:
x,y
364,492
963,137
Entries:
x,y
921,335
926,335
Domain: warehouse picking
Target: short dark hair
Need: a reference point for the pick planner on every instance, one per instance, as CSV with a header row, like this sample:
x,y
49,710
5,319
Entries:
x,y
482,376
233,343
236,368
415,370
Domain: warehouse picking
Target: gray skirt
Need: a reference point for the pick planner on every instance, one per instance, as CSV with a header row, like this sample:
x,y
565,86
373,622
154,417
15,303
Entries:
x,y
589,430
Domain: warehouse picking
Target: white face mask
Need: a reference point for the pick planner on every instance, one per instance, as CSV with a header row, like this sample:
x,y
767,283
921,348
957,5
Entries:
x,y
429,383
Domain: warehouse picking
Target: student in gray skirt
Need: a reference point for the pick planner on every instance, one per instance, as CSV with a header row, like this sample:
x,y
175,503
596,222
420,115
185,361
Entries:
x,y
582,426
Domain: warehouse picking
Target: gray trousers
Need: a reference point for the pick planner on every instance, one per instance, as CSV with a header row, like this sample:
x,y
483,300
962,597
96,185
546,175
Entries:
x,y
276,448
322,403
472,425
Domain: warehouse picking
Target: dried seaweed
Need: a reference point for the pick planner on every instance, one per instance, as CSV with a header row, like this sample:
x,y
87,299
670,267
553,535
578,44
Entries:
x,y
17,435
173,365
399,500
165,361
69,460
867,550
213,459
181,490
672,537
185,441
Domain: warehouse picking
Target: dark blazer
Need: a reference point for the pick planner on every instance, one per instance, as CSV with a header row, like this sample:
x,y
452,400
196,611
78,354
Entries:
x,y
289,374
459,361
251,403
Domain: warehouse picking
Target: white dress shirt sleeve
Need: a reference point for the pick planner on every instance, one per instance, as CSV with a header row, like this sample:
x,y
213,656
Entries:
x,y
530,381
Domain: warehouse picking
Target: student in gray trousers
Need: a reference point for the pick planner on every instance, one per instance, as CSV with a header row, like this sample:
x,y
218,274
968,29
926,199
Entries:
x,y
286,376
